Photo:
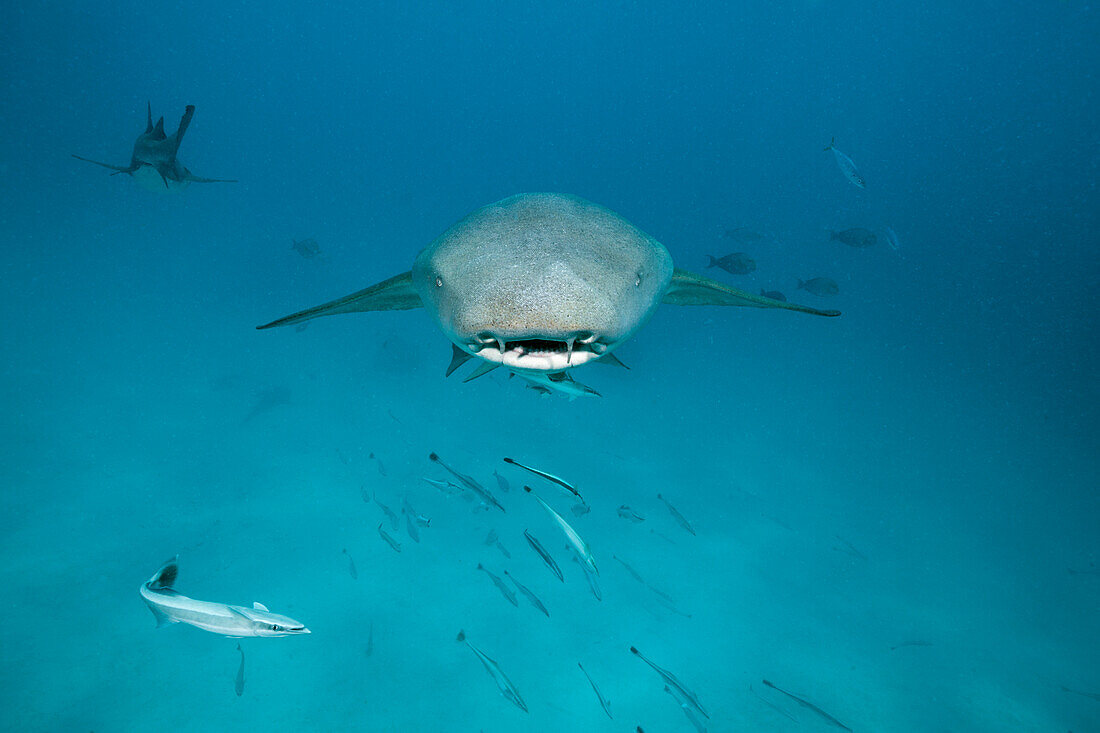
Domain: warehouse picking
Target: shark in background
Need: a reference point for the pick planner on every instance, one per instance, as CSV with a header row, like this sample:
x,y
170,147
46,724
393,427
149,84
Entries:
x,y
171,607
154,163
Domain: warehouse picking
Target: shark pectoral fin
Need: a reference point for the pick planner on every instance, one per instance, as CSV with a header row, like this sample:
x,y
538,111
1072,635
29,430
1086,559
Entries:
x,y
688,288
482,369
458,358
611,360
162,618
259,606
115,168
394,294
185,122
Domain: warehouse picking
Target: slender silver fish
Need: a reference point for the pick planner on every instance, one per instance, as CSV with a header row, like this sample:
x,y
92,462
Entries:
x,y
494,541
445,487
389,513
809,706
170,607
892,239
1091,695
677,515
389,540
238,684
626,512
507,689
772,705
370,640
470,482
593,581
671,680
351,566
502,483
689,711
410,519
546,558
500,584
604,702
847,167
549,477
530,595
574,539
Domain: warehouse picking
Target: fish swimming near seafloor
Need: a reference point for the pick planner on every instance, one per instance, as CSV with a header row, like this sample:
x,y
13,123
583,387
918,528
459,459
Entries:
x,y
604,702
821,286
171,607
575,540
541,283
855,237
546,557
154,162
238,683
672,681
809,706
737,263
507,689
680,519
847,167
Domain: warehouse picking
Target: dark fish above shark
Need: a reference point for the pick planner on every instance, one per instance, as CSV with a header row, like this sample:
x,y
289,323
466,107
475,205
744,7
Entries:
x,y
154,161
541,283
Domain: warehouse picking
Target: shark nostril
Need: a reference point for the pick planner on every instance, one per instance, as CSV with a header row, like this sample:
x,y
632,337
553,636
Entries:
x,y
485,338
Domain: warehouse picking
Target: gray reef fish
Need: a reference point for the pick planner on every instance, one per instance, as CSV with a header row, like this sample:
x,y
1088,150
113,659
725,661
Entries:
x,y
541,283
847,167
507,689
604,702
502,483
774,295
737,263
170,607
854,237
593,581
153,163
307,248
821,286
238,684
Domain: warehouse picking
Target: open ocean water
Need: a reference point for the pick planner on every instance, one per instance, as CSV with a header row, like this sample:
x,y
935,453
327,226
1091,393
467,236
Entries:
x,y
896,512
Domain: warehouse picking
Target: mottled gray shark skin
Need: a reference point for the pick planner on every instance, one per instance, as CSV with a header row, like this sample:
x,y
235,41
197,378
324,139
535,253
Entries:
x,y
541,282
154,163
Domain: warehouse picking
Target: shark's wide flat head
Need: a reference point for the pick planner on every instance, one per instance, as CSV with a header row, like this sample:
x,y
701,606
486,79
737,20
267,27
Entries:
x,y
153,162
541,282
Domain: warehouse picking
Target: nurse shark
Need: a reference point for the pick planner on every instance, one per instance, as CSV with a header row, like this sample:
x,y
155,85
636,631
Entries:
x,y
541,283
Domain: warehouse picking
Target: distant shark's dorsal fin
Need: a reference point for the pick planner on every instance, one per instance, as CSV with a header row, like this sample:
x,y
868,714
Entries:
x,y
185,122
148,117
158,130
394,294
458,358
482,369
259,606
688,288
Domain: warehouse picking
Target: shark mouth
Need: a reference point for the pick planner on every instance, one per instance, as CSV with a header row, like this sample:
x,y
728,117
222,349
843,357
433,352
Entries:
x,y
538,352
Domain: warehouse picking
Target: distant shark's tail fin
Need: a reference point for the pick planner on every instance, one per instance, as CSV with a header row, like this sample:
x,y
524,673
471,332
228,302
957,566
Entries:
x,y
166,576
831,145
712,262
461,636
185,121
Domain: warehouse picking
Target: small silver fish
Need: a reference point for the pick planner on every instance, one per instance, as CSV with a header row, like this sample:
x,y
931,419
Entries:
x,y
671,680
502,483
389,513
822,286
604,702
527,592
580,509
492,540
677,515
410,519
469,482
370,640
685,705
549,477
500,584
445,487
541,552
847,167
892,239
381,468
238,684
571,534
626,512
593,583
351,566
507,689
389,540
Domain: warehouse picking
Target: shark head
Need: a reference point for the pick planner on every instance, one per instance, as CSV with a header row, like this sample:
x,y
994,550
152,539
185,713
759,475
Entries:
x,y
266,623
541,282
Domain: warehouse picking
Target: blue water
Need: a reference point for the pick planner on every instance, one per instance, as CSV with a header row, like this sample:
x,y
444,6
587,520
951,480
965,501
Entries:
x,y
922,469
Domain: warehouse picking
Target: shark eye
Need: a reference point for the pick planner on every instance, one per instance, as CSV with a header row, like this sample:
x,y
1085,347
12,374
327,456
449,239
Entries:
x,y
439,282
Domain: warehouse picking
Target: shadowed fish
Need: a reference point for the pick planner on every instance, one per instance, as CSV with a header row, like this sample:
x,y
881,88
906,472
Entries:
x,y
238,684
672,681
772,705
153,163
500,584
774,295
530,595
821,286
689,711
394,544
469,482
502,483
809,706
170,607
548,476
575,540
541,552
351,566
411,524
507,689
580,509
307,248
370,640
1090,695
846,166
541,283
604,702
911,643
626,512
493,540
737,263
390,514
267,400
854,237
892,239
593,581
677,515
378,462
